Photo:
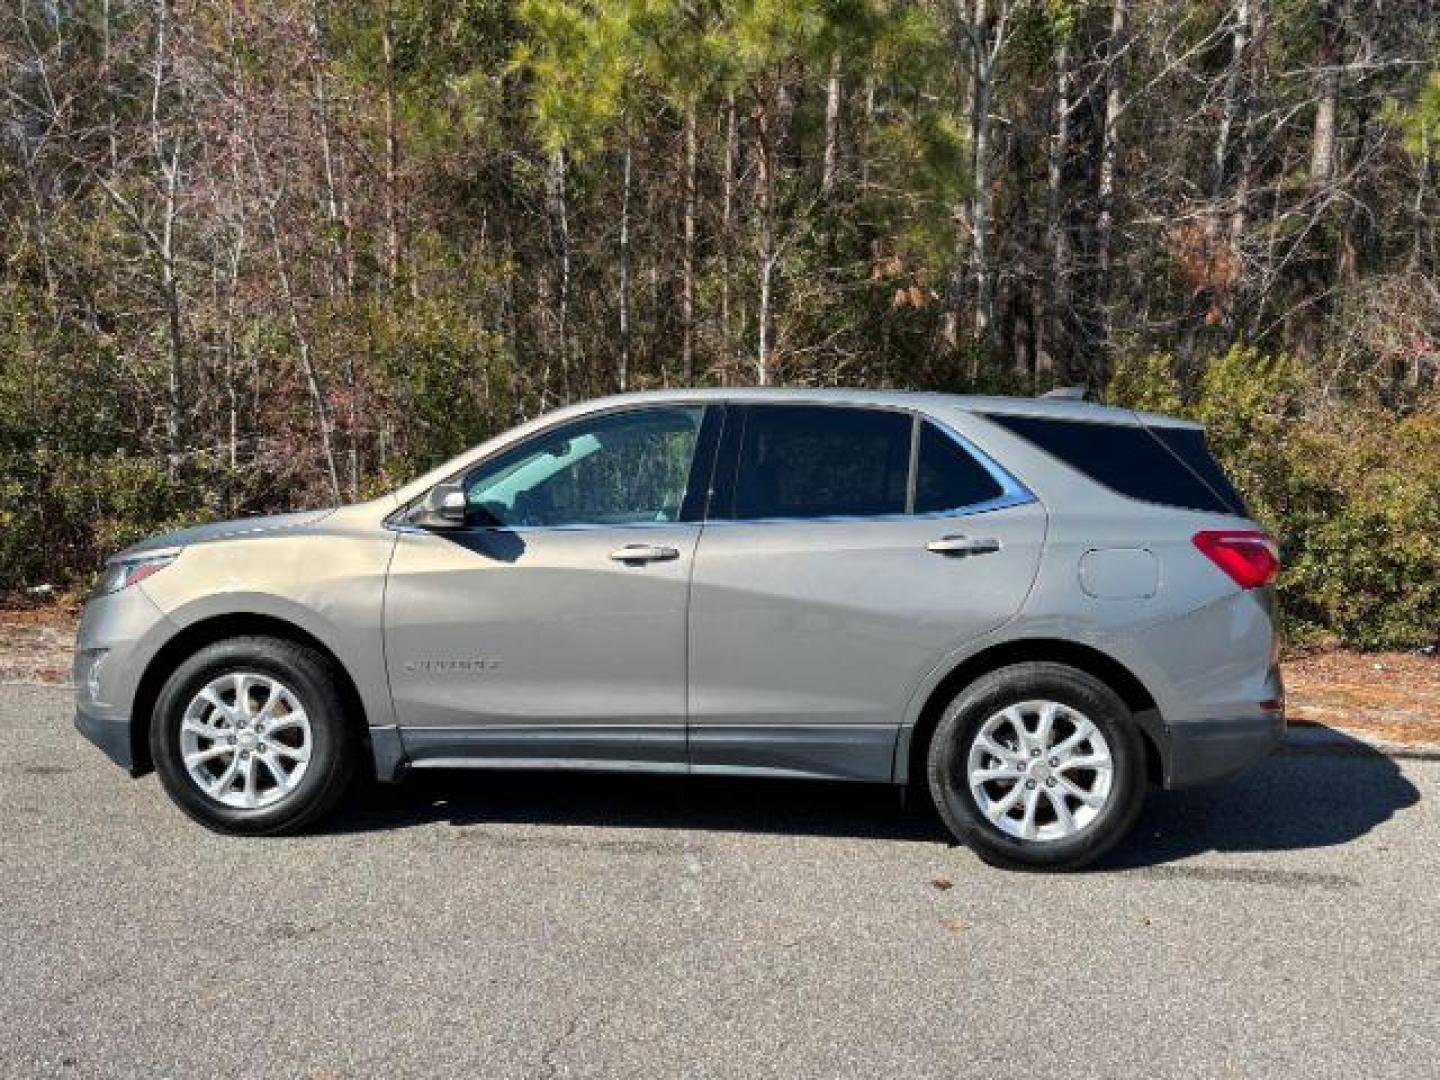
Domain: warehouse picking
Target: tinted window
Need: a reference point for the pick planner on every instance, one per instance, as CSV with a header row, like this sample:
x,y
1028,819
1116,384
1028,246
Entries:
x,y
610,470
948,476
822,461
1188,444
1127,459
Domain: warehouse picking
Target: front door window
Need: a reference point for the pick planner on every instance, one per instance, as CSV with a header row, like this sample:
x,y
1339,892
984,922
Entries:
x,y
619,469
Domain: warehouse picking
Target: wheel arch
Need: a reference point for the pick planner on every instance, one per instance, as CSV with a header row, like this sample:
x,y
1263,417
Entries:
x,y
196,636
914,741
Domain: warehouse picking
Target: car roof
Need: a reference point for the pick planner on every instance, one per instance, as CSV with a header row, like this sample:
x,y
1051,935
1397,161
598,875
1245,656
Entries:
x,y
929,401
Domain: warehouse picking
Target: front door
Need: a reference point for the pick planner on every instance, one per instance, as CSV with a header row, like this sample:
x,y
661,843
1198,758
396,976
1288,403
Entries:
x,y
849,551
552,628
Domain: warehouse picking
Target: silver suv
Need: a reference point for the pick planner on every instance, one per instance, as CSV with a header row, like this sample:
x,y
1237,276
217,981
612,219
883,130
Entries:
x,y
1029,608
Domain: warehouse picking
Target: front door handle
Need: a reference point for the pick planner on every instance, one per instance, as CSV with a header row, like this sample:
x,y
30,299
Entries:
x,y
958,546
643,553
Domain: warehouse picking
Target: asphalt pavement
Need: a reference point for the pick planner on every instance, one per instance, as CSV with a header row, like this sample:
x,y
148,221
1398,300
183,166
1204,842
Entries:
x,y
534,925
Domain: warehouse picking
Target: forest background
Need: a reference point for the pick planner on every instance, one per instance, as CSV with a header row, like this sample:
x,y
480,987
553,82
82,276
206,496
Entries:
x,y
260,254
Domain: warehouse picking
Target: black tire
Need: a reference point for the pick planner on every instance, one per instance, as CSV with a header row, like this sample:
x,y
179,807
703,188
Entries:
x,y
962,722
334,748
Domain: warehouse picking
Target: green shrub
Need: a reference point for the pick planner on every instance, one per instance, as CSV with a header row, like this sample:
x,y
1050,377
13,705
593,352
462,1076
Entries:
x,y
1146,382
1371,570
61,513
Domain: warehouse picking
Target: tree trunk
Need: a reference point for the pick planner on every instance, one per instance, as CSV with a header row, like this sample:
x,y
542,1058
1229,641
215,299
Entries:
x,y
1330,62
1231,104
1055,271
869,122
1423,226
168,163
983,31
765,165
1258,15
112,120
623,374
335,270
232,392
727,213
832,127
170,289
687,287
1109,156
558,209
392,153
983,74
336,265
767,276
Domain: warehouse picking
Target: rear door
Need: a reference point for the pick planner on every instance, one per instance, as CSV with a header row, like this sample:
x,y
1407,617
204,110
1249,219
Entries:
x,y
847,551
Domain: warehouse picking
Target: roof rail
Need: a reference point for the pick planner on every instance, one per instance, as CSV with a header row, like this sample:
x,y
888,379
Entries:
x,y
1068,393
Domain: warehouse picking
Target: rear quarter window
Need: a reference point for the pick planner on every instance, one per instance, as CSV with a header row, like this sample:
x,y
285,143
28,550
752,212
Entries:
x,y
1188,444
947,477
1128,459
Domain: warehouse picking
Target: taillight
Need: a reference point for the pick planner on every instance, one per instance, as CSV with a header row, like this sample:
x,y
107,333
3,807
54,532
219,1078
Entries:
x,y
1250,557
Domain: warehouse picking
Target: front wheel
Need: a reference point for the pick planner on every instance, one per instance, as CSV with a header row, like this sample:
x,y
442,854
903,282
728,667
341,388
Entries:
x,y
249,736
1037,766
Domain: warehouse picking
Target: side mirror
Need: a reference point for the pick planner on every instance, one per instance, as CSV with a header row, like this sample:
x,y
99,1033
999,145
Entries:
x,y
443,508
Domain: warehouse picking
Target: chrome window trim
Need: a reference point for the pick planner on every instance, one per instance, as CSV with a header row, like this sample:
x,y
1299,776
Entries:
x,y
999,503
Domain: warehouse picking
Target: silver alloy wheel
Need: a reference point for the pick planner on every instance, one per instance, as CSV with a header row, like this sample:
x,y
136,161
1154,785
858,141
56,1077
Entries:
x,y
245,740
1040,770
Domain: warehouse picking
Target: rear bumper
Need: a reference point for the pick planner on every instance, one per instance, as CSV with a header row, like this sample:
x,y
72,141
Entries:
x,y
1202,751
111,734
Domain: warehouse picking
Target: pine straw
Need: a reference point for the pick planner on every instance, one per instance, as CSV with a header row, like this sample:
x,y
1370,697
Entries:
x,y
1392,697
36,644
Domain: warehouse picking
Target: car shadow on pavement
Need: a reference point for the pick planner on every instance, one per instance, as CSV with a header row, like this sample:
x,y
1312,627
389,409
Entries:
x,y
1305,796
1315,793
465,797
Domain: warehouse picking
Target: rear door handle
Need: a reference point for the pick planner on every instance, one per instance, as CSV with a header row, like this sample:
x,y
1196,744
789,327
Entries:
x,y
958,546
643,553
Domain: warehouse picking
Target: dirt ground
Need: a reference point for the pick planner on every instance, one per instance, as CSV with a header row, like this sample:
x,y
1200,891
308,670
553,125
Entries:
x,y
36,644
1390,697
1385,697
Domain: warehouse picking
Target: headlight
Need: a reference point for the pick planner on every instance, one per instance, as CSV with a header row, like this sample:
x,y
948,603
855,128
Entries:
x,y
121,573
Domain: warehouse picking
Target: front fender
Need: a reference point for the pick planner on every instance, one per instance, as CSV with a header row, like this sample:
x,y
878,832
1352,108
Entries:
x,y
330,584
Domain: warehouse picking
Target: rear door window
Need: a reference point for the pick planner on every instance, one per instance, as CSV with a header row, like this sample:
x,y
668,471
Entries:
x,y
1125,458
817,461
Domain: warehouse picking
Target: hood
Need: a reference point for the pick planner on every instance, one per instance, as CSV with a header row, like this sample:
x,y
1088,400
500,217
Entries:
x,y
225,530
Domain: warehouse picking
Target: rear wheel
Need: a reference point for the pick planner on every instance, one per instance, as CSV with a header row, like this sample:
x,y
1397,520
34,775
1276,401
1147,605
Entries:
x,y
249,736
1037,766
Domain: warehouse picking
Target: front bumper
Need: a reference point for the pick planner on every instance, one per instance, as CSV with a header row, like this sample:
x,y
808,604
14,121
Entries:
x,y
119,635
111,734
1202,751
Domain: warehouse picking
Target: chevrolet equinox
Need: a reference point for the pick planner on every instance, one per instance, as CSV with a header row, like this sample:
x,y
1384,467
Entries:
x,y
1029,609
